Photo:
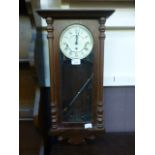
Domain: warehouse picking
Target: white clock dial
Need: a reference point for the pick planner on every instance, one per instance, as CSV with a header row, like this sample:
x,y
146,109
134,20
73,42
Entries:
x,y
76,41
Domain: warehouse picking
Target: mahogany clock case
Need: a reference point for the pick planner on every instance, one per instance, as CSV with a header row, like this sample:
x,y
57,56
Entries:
x,y
68,80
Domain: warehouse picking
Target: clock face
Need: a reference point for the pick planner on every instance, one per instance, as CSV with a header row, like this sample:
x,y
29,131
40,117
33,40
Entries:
x,y
76,41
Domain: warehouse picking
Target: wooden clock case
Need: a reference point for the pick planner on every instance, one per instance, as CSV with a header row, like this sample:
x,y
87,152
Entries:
x,y
94,20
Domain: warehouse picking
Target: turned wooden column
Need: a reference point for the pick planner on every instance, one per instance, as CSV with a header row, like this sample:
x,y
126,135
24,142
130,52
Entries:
x,y
101,57
50,37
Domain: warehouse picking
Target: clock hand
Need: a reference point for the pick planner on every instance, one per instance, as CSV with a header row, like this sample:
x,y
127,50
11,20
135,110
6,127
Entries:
x,y
76,42
77,36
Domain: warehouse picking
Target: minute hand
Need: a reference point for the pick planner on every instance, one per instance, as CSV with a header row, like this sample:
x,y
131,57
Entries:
x,y
77,36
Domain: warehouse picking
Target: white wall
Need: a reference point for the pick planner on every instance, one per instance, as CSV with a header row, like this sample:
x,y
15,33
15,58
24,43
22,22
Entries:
x,y
119,58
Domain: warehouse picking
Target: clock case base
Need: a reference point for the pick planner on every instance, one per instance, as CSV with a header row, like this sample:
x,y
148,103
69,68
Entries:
x,y
76,136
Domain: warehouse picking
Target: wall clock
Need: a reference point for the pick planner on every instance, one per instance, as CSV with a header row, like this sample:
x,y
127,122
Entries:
x,y
76,52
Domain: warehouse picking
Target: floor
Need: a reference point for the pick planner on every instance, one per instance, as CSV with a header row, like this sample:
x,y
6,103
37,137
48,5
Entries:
x,y
108,144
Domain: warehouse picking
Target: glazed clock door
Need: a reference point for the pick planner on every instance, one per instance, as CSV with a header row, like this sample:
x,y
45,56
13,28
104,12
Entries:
x,y
76,59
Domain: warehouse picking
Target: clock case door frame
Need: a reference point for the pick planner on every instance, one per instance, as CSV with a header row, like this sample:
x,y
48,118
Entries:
x,y
60,25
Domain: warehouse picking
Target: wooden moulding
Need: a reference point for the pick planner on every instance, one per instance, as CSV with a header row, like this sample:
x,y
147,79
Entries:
x,y
75,13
